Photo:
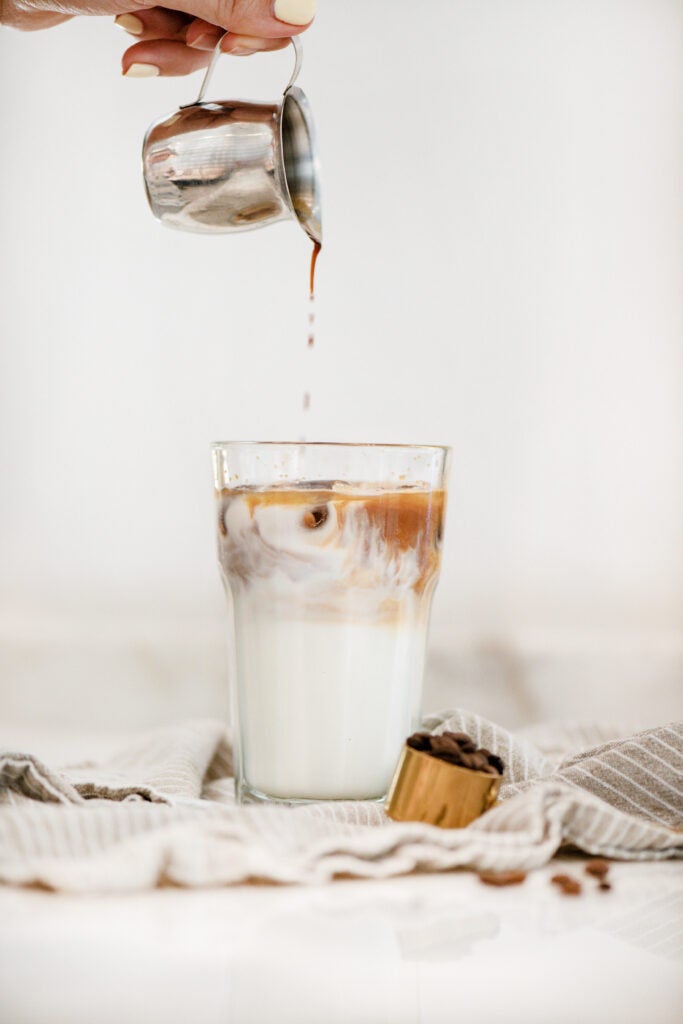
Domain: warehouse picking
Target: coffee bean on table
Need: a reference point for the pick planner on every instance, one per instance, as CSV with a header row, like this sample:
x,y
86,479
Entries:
x,y
502,877
568,885
598,868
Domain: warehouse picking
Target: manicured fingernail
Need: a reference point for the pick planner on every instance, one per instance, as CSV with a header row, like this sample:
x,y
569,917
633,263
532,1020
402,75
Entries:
x,y
295,12
244,46
130,23
204,42
141,71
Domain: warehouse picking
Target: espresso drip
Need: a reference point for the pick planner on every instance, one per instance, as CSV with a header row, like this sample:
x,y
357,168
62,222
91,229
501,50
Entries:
x,y
317,246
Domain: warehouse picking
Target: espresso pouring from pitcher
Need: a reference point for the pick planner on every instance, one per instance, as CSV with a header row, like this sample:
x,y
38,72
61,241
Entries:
x,y
231,165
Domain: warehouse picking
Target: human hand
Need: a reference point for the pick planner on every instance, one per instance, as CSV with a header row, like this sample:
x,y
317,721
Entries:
x,y
179,40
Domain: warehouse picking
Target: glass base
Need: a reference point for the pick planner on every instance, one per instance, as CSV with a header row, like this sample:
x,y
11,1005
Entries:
x,y
244,794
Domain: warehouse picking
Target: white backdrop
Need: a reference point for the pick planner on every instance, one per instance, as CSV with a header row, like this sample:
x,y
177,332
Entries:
x,y
503,222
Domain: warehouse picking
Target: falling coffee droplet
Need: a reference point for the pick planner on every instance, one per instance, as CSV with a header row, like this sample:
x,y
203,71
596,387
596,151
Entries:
x,y
317,246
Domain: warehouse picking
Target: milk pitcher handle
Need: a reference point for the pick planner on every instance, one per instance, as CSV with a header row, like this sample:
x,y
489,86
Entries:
x,y
298,61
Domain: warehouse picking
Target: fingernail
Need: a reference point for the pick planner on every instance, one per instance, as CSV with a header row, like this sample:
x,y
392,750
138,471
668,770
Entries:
x,y
130,23
295,12
141,71
244,46
204,42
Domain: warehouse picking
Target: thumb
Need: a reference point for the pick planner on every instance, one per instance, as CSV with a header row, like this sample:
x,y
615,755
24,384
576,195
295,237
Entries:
x,y
267,19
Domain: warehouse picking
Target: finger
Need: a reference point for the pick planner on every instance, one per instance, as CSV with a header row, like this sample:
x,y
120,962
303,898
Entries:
x,y
162,57
26,17
202,35
243,46
265,19
269,18
155,23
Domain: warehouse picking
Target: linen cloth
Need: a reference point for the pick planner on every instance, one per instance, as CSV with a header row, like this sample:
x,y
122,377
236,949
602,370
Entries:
x,y
163,811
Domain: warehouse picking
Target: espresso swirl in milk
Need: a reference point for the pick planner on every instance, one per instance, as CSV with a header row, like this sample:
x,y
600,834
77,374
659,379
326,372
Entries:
x,y
337,550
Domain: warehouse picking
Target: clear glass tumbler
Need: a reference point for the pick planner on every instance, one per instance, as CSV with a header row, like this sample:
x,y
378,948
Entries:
x,y
329,554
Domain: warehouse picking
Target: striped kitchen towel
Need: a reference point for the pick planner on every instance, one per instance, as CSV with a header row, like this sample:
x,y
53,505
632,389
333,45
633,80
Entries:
x,y
163,810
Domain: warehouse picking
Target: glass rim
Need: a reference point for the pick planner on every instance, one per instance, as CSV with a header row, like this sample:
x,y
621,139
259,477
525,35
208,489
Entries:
x,y
394,446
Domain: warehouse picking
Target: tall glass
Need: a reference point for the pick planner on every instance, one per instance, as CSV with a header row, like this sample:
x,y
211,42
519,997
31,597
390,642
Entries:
x,y
329,554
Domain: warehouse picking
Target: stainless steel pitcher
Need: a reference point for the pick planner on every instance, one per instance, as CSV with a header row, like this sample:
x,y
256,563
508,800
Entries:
x,y
232,165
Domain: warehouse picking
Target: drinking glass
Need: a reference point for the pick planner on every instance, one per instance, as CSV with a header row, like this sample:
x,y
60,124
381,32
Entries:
x,y
330,555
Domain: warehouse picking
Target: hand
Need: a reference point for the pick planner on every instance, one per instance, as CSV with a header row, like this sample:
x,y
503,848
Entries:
x,y
175,42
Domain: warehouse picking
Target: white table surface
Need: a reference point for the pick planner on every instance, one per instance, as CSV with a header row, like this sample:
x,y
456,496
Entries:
x,y
416,949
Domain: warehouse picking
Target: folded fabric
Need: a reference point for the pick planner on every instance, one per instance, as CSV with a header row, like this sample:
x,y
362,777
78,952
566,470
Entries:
x,y
163,810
